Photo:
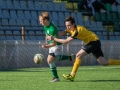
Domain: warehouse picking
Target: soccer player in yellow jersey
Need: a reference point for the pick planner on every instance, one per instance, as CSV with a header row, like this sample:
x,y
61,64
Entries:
x,y
92,41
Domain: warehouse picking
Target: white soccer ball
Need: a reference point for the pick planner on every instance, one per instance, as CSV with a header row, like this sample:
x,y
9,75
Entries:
x,y
38,58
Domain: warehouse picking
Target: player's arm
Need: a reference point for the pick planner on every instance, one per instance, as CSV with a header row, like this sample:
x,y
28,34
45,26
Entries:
x,y
49,45
51,33
64,41
61,34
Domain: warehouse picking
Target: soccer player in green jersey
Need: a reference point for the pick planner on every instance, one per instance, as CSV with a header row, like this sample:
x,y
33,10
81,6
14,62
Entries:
x,y
54,47
93,45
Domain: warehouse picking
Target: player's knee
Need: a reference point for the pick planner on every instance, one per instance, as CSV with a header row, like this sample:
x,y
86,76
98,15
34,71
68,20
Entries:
x,y
49,61
80,55
102,61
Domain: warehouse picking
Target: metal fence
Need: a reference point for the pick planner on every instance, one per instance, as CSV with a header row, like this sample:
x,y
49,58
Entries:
x,y
18,54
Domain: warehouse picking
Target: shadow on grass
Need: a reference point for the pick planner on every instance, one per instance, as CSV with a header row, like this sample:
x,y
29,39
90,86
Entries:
x,y
22,70
104,80
92,81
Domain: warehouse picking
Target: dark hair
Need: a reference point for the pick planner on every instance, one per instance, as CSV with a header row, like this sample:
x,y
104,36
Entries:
x,y
71,19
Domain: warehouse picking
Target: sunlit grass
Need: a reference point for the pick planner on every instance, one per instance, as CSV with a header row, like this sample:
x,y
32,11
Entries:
x,y
87,78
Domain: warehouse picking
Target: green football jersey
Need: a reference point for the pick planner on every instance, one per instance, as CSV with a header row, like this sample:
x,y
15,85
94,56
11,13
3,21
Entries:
x,y
51,30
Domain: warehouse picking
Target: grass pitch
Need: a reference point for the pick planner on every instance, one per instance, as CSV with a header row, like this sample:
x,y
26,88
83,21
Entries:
x,y
87,78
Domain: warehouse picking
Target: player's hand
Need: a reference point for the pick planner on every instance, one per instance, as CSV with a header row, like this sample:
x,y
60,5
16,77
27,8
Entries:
x,y
43,46
50,37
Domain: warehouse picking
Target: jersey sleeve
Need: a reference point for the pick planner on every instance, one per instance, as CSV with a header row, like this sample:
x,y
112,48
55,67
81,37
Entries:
x,y
75,34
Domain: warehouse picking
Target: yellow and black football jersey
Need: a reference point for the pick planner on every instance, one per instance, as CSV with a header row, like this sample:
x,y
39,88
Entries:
x,y
83,34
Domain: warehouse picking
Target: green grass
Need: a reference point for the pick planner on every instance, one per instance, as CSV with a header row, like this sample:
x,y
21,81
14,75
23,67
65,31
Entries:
x,y
87,78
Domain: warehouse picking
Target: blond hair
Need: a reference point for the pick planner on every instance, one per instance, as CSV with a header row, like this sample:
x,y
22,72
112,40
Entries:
x,y
45,15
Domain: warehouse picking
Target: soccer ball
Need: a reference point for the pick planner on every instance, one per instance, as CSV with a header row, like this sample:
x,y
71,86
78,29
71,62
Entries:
x,y
38,58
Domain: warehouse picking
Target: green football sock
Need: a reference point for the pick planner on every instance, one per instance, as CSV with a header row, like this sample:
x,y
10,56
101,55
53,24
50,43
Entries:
x,y
62,57
54,72
53,69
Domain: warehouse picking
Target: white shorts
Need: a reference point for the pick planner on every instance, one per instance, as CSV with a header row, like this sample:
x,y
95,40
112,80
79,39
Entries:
x,y
56,50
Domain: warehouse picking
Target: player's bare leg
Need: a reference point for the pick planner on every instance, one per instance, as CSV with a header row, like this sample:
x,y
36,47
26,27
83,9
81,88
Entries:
x,y
105,62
